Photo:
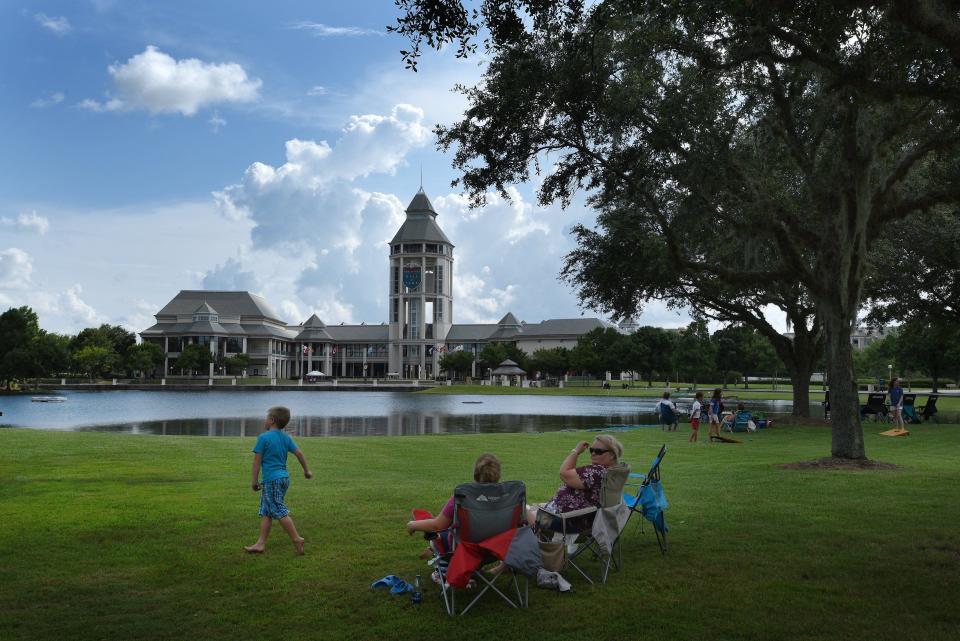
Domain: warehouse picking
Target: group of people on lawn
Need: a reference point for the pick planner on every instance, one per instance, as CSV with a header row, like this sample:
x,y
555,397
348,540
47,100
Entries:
x,y
714,410
580,484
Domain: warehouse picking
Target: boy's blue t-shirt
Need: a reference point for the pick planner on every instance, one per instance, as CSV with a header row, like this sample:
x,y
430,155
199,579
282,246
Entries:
x,y
274,445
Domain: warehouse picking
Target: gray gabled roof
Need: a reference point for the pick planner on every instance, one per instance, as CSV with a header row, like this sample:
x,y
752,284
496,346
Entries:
x,y
359,333
228,303
561,327
205,309
421,204
469,333
264,329
420,225
509,320
206,328
313,330
200,328
420,231
313,321
508,368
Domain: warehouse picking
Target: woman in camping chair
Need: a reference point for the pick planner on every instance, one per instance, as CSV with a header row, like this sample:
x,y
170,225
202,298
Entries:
x,y
581,485
486,469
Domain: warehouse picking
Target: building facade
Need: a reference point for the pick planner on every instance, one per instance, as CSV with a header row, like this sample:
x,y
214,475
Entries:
x,y
419,329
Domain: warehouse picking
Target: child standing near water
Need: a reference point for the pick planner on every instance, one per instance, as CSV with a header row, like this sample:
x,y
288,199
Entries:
x,y
716,407
270,456
695,417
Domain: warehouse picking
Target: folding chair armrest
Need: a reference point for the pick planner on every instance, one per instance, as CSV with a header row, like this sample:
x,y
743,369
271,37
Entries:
x,y
637,475
565,516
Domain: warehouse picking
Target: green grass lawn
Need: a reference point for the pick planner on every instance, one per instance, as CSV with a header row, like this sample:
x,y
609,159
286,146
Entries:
x,y
108,536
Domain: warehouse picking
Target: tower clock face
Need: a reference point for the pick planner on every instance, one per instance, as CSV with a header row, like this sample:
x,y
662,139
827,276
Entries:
x,y
412,276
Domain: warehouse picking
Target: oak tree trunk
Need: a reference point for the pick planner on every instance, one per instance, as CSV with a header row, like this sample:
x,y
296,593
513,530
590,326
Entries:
x,y
844,401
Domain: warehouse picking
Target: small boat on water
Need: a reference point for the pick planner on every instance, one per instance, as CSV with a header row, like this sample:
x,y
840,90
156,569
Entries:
x,y
472,402
47,399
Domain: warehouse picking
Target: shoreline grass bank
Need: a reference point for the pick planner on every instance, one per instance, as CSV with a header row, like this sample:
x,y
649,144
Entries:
x,y
116,537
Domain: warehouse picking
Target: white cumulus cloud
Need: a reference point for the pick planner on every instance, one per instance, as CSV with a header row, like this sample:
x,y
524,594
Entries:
x,y
55,24
311,206
326,31
231,276
77,309
48,101
16,269
216,122
475,301
27,221
157,82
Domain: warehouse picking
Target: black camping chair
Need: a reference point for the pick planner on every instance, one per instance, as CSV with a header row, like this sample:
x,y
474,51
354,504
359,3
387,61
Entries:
x,y
929,411
876,406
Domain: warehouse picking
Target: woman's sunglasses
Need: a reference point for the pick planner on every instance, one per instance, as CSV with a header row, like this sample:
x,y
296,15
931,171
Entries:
x,y
598,450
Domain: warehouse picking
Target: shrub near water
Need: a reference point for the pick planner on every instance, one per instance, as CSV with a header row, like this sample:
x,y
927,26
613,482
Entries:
x,y
120,537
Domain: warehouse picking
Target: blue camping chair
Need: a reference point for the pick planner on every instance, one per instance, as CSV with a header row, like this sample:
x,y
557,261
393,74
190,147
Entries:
x,y
739,422
909,409
668,418
649,501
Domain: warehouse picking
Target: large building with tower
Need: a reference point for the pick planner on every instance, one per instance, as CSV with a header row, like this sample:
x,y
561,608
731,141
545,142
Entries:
x,y
418,331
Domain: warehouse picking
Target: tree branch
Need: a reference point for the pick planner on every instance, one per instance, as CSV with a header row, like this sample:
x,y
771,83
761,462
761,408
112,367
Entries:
x,y
906,163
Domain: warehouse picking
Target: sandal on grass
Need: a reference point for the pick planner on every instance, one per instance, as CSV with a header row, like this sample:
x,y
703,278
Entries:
x,y
386,582
400,587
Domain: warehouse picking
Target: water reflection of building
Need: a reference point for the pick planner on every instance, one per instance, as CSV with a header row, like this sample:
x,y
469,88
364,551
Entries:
x,y
419,330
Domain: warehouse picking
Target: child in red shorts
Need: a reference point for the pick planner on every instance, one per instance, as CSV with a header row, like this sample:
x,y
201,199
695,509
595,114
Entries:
x,y
695,417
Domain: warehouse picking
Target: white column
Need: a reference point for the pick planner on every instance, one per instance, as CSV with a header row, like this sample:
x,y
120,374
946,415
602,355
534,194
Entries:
x,y
423,317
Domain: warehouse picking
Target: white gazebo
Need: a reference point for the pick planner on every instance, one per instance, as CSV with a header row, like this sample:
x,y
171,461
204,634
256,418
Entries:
x,y
507,370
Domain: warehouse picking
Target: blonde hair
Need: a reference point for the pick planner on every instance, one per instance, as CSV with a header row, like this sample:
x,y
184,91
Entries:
x,y
612,444
280,415
486,469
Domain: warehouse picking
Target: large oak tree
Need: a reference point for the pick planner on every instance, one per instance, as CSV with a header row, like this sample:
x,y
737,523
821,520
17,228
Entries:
x,y
794,130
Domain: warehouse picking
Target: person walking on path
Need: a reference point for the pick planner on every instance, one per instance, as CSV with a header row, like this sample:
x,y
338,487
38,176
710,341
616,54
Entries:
x,y
270,457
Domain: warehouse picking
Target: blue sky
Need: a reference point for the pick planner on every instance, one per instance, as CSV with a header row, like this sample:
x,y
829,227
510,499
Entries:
x,y
153,147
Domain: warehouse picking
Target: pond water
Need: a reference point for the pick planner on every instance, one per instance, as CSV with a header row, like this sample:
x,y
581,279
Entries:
x,y
229,413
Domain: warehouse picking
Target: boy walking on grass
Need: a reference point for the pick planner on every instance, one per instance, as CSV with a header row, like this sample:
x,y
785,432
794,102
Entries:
x,y
270,456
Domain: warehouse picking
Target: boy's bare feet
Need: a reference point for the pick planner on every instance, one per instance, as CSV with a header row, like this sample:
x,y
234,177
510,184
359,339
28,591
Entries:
x,y
298,545
254,549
